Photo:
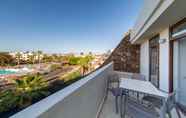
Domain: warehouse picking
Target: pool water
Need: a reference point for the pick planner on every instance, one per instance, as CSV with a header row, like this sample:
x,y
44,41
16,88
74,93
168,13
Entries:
x,y
6,72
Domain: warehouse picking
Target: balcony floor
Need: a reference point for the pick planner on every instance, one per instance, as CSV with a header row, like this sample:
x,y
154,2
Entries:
x,y
108,110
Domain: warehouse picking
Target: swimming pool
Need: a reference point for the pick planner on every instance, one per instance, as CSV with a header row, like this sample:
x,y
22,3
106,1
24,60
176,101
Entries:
x,y
6,72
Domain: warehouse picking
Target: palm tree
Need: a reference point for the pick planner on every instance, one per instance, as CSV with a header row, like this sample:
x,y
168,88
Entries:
x,y
33,57
27,89
39,53
83,62
18,57
8,100
30,87
30,58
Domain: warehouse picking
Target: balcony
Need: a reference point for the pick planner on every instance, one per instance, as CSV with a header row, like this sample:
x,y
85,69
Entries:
x,y
83,99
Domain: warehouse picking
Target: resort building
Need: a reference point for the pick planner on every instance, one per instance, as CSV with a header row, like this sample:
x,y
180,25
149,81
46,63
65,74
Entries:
x,y
155,47
25,56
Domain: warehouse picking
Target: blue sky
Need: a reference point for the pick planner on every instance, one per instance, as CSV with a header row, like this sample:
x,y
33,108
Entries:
x,y
65,25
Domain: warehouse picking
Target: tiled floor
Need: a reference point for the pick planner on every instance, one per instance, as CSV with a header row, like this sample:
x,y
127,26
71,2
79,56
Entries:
x,y
108,110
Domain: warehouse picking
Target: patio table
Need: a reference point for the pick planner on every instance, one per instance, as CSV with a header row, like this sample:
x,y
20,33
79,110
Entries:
x,y
145,87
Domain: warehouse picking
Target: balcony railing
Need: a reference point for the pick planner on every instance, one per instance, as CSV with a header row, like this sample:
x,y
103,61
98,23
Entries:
x,y
82,99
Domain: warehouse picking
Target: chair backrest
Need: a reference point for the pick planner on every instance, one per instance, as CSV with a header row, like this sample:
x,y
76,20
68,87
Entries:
x,y
113,81
138,76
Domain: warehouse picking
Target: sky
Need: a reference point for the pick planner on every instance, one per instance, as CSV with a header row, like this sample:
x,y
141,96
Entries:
x,y
62,26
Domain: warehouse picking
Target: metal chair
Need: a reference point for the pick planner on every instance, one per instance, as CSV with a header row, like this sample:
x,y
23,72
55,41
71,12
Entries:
x,y
113,87
136,110
170,103
182,108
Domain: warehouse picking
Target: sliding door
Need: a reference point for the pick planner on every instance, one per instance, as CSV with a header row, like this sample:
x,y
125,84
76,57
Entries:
x,y
154,61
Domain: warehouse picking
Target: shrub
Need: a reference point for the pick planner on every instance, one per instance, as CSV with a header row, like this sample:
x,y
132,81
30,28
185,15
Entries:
x,y
74,60
71,76
8,100
27,89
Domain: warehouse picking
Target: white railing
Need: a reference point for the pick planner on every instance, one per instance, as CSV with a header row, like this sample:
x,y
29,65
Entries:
x,y
79,100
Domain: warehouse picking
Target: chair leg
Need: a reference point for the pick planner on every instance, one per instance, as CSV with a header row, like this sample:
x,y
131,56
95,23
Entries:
x,y
116,103
169,114
177,110
138,96
125,106
121,106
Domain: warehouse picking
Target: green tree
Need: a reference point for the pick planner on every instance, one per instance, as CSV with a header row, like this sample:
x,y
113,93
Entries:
x,y
45,58
27,89
30,87
6,59
74,60
39,53
54,57
84,63
33,57
8,100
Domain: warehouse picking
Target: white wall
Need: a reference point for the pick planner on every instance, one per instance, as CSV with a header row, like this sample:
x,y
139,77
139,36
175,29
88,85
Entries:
x,y
164,61
144,59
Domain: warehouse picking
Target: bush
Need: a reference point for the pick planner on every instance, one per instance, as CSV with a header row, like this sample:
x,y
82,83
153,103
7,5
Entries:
x,y
74,60
8,100
27,89
71,76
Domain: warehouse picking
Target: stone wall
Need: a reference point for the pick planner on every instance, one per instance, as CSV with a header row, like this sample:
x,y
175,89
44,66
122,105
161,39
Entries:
x,y
126,56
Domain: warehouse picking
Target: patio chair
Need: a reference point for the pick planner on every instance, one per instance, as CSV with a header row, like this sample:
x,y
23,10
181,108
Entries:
x,y
137,110
170,103
113,87
182,108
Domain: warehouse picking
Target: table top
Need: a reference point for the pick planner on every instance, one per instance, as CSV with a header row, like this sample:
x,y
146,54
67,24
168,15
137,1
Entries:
x,y
141,86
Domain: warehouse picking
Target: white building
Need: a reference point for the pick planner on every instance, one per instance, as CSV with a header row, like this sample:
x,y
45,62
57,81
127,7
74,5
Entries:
x,y
161,32
26,55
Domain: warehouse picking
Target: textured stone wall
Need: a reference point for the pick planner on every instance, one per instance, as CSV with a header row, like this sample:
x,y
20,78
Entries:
x,y
126,56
